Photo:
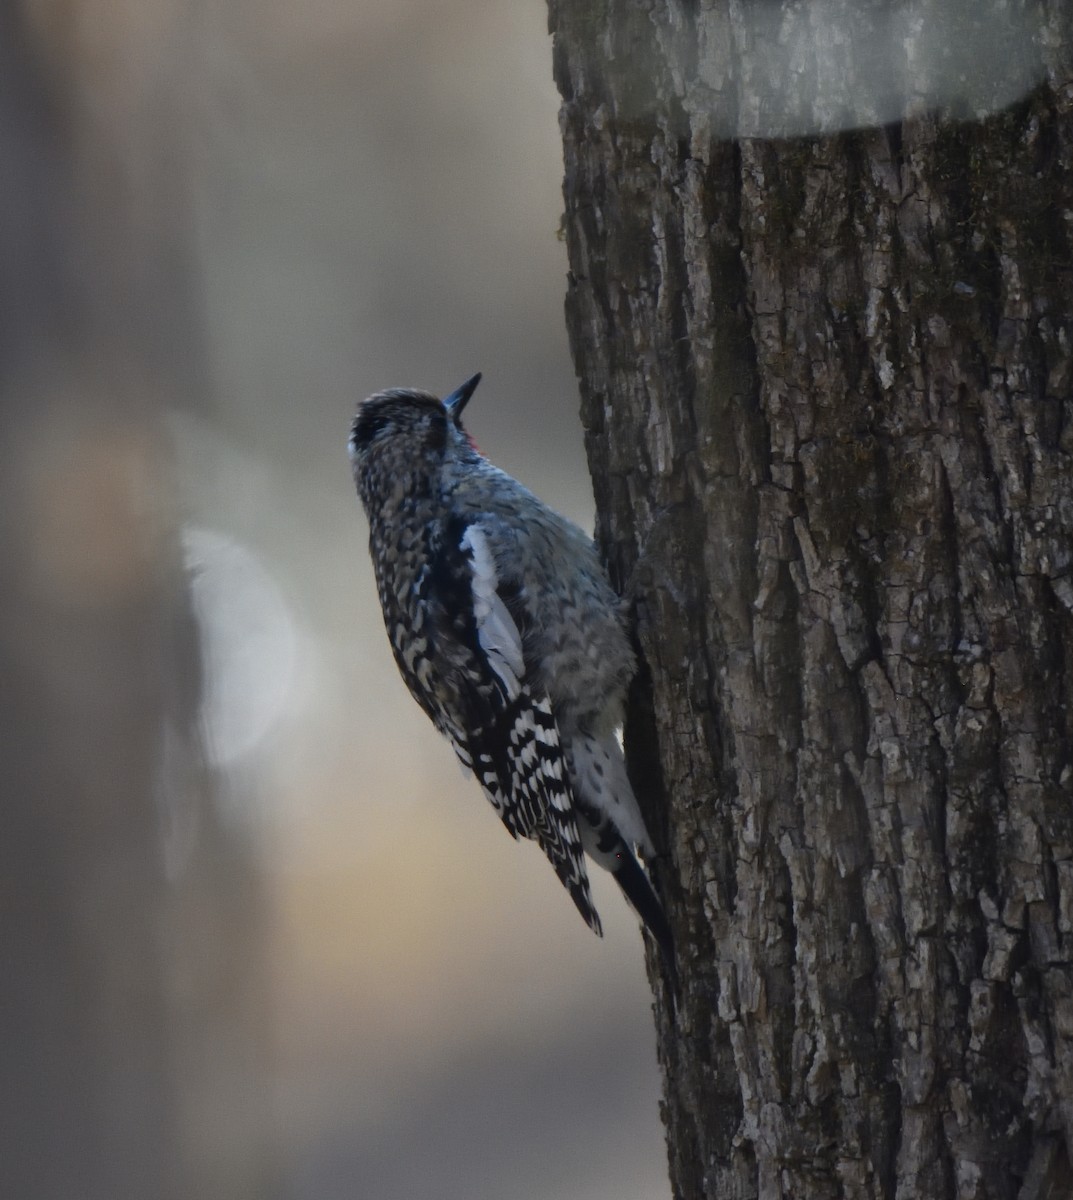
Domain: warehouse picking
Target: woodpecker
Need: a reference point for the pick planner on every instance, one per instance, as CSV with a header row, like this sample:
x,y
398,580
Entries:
x,y
509,635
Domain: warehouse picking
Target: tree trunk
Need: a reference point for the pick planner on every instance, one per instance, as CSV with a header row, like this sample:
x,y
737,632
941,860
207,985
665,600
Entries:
x,y
826,385
132,1045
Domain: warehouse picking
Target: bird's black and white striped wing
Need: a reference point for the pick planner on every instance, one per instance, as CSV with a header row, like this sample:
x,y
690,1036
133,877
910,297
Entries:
x,y
505,731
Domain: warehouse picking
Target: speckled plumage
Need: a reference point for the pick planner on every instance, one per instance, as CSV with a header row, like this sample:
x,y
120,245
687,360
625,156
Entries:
x,y
508,634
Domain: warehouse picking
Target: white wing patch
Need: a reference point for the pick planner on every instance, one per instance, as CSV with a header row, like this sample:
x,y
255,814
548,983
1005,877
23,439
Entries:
x,y
496,631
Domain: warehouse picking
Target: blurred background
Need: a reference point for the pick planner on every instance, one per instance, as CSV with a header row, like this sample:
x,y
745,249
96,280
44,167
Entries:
x,y
259,938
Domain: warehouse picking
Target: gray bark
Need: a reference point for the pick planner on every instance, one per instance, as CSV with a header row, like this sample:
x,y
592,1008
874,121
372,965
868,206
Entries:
x,y
826,385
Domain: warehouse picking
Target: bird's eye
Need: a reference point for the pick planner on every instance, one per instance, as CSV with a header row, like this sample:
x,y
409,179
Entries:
x,y
366,427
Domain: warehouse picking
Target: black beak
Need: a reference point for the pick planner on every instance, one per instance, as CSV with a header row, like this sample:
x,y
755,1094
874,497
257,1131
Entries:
x,y
459,398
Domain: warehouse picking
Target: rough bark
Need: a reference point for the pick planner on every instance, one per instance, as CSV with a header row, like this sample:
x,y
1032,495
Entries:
x,y
826,385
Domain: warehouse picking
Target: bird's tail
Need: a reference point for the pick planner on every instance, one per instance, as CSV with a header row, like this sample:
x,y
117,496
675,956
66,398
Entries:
x,y
641,896
607,847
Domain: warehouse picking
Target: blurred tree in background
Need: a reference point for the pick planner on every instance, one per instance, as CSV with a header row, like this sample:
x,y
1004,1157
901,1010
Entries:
x,y
132,976
822,312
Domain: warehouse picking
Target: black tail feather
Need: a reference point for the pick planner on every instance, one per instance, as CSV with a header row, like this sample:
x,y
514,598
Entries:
x,y
639,892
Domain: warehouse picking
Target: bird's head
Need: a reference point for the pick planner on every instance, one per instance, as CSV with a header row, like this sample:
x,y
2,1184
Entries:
x,y
410,423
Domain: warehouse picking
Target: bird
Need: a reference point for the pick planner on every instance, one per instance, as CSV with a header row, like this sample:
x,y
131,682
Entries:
x,y
508,634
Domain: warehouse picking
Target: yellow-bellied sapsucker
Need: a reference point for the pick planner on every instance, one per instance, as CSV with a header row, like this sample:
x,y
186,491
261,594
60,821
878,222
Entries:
x,y
510,637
